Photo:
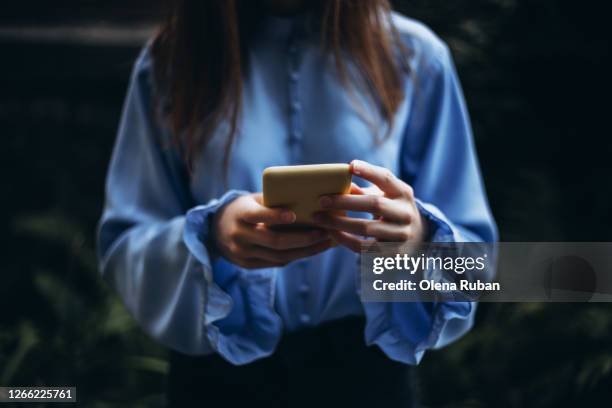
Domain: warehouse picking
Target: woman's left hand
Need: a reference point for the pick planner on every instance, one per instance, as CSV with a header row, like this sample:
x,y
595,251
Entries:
x,y
390,200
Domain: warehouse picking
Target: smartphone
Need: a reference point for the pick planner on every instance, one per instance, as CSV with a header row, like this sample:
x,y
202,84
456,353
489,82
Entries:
x,y
298,188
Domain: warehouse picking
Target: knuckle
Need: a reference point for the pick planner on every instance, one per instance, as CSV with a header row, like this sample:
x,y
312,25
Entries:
x,y
388,176
233,234
367,229
405,235
409,191
376,203
405,218
233,248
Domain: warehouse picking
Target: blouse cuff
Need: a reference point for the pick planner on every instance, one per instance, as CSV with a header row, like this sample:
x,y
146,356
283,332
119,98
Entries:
x,y
238,314
440,228
405,330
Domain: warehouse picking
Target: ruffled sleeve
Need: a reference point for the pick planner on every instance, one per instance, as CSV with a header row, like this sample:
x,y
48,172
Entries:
x,y
438,159
153,247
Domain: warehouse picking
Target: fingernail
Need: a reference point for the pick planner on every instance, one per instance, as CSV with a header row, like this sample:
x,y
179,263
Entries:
x,y
288,217
325,202
356,169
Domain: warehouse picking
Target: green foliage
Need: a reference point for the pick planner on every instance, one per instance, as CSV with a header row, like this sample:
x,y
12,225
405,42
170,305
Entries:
x,y
79,333
529,354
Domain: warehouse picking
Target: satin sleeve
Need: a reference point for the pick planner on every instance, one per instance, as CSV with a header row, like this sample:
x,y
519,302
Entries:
x,y
438,159
153,251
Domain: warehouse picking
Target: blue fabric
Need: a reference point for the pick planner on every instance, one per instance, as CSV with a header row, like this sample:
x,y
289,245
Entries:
x,y
155,229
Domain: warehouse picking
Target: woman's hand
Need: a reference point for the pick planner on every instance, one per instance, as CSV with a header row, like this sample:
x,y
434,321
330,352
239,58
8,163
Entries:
x,y
390,200
243,235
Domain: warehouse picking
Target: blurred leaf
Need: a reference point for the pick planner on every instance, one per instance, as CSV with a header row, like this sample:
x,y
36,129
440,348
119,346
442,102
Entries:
x,y
152,364
27,340
57,228
116,321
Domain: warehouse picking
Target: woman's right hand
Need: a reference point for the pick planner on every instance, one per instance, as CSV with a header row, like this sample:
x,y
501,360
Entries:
x,y
243,235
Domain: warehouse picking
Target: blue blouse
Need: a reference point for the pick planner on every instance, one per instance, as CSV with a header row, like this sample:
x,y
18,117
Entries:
x,y
156,221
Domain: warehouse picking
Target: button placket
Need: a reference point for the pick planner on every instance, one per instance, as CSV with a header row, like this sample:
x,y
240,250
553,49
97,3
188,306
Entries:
x,y
304,289
295,106
304,286
295,139
304,292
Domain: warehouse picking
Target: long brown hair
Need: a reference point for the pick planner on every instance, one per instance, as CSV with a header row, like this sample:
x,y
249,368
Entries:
x,y
199,58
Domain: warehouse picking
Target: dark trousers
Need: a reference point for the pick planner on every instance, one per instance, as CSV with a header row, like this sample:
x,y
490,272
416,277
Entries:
x,y
326,366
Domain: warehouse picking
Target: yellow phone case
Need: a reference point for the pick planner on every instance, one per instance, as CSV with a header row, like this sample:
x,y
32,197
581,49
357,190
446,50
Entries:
x,y
298,188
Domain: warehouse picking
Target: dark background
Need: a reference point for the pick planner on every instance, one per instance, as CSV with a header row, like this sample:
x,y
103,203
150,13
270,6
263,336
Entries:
x,y
536,75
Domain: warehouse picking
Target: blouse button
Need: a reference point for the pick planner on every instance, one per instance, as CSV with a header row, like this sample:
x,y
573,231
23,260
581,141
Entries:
x,y
304,289
296,106
296,135
304,318
294,76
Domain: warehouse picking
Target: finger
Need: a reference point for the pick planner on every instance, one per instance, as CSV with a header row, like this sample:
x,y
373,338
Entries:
x,y
288,255
372,190
355,189
380,176
360,203
381,230
374,204
352,242
258,197
358,226
256,213
262,235
358,190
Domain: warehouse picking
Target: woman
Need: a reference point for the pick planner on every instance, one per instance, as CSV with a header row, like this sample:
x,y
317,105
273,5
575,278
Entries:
x,y
230,87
